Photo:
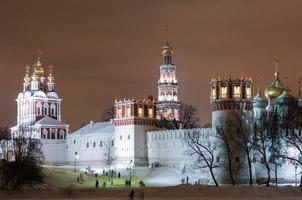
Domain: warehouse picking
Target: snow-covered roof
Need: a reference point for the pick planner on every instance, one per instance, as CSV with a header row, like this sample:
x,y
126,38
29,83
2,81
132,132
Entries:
x,y
53,95
95,128
48,121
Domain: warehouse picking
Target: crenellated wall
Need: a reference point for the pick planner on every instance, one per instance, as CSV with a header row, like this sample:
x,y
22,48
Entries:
x,y
169,148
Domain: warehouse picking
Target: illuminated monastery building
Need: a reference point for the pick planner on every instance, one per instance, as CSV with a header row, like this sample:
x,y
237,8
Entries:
x,y
132,136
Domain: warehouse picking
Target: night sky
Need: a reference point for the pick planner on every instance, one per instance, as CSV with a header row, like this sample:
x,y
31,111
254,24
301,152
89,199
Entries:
x,y
103,50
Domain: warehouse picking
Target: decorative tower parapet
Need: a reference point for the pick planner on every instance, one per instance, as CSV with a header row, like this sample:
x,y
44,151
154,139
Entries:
x,y
231,94
134,112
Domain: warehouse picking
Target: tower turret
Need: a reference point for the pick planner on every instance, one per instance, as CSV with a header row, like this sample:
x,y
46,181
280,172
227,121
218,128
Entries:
x,y
168,101
232,111
51,79
26,83
133,118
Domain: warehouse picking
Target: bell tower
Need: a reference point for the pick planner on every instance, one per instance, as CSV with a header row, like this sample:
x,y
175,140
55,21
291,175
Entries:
x,y
168,100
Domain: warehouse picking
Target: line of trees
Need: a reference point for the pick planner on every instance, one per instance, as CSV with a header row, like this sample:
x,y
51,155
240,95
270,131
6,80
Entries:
x,y
266,142
21,160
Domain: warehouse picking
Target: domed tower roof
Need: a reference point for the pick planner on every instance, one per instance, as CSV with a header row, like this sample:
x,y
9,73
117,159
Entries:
x,y
38,67
167,48
276,88
259,101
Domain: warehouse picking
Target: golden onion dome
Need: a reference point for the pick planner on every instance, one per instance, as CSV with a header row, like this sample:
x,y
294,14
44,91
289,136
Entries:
x,y
38,68
275,89
167,49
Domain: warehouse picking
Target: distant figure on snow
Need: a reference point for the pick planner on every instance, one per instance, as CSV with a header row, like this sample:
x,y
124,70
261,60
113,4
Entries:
x,y
97,183
131,195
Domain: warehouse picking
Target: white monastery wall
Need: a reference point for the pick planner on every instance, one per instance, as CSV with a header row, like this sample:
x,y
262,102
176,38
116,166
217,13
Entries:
x,y
168,148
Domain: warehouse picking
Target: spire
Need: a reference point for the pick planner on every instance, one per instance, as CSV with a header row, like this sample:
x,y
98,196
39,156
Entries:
x,y
51,79
167,52
38,67
277,61
299,89
26,79
258,85
285,82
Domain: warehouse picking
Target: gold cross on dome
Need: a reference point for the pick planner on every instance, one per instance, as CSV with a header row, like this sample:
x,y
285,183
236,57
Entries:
x,y
285,78
39,52
277,61
258,84
27,67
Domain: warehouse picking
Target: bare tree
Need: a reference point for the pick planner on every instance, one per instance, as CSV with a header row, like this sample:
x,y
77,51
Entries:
x,y
108,114
267,140
292,125
188,116
25,166
223,136
203,152
244,141
4,142
109,151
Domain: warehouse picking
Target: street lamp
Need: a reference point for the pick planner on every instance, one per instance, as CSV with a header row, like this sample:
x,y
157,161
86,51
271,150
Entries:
x,y
76,157
130,171
296,167
111,169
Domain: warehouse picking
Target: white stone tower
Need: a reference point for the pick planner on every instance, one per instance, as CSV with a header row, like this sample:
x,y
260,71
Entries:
x,y
168,102
232,105
133,118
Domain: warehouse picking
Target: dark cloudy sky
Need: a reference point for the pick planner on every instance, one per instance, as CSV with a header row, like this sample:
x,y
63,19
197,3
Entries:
x,y
103,50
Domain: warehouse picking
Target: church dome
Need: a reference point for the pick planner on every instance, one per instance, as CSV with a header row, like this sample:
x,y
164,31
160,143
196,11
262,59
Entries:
x,y
167,49
259,101
285,98
275,89
39,94
53,95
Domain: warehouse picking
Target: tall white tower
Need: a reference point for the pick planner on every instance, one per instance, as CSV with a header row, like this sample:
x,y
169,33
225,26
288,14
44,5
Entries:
x,y
232,114
133,118
168,102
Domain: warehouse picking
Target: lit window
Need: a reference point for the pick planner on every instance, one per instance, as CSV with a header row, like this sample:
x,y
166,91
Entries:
x,y
128,111
224,91
140,111
119,112
150,112
248,92
213,93
236,91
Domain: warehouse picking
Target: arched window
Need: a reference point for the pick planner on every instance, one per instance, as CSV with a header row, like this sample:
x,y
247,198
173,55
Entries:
x,y
62,135
52,109
39,109
45,108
